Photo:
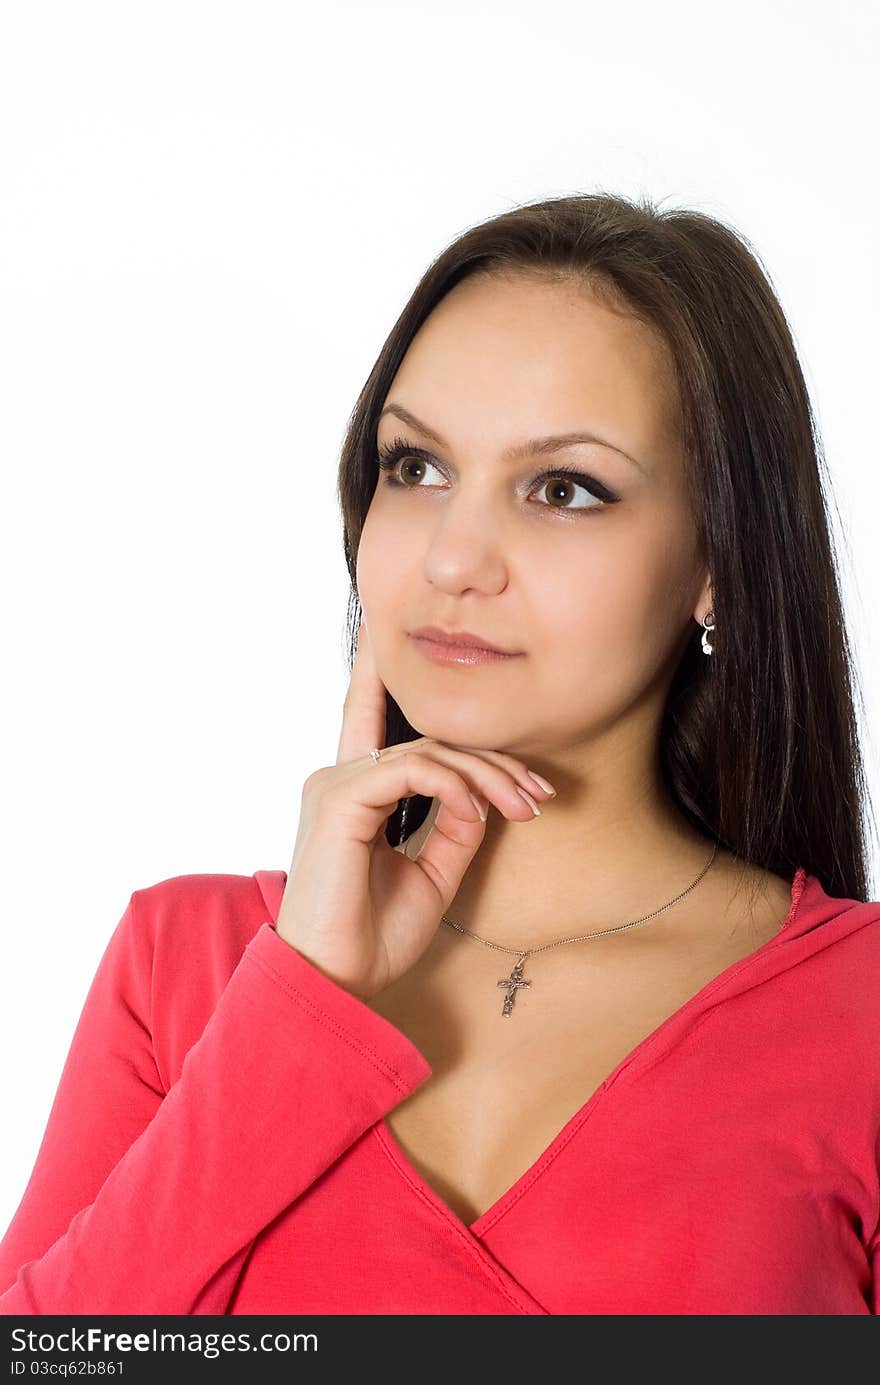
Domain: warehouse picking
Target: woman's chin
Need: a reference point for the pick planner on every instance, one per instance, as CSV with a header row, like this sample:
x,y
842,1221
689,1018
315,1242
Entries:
x,y
462,728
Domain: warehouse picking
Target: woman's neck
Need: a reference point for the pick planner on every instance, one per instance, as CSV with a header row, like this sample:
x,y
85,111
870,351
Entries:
x,y
573,873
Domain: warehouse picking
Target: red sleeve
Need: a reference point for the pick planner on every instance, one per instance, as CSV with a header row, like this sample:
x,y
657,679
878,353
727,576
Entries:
x,y
146,1201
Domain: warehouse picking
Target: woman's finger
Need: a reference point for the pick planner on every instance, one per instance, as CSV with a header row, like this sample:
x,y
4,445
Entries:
x,y
491,773
363,713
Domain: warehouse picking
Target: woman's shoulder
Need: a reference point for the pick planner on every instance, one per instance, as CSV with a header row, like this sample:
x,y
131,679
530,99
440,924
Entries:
x,y
214,913
210,893
217,909
191,932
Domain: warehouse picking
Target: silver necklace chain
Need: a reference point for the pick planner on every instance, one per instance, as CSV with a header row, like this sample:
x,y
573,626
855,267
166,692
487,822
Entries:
x,y
514,982
585,937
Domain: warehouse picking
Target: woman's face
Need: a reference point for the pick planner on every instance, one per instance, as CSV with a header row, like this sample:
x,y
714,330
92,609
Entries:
x,y
598,599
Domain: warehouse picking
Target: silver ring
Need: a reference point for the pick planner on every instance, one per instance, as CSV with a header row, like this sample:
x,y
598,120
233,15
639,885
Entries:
x,y
375,754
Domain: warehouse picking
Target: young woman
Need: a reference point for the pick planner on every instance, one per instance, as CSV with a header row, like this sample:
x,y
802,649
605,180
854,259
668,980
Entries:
x,y
567,1003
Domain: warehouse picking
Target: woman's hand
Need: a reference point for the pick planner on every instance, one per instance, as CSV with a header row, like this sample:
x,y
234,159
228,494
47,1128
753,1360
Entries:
x,y
358,910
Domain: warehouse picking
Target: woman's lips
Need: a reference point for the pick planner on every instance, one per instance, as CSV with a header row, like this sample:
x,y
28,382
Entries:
x,y
439,652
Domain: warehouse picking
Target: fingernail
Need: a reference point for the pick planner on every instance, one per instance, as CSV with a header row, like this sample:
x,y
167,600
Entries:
x,y
548,788
531,802
479,807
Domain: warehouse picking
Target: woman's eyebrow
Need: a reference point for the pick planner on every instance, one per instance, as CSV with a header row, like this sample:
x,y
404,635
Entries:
x,y
529,448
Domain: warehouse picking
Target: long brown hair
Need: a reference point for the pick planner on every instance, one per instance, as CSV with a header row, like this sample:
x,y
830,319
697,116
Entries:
x,y
759,743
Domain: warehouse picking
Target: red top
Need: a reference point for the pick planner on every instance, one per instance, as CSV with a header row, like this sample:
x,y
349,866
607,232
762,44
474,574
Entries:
x,y
217,1140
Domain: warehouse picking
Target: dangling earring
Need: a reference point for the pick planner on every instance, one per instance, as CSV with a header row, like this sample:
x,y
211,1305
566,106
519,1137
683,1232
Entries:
x,y
708,623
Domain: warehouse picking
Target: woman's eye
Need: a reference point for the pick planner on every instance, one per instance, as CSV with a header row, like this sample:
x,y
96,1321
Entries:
x,y
562,486
407,467
398,466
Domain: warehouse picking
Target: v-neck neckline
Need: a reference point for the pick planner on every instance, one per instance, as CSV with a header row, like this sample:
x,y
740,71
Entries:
x,y
478,1228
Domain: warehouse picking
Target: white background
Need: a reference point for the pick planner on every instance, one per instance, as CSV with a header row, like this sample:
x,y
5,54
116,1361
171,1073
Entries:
x,y
210,217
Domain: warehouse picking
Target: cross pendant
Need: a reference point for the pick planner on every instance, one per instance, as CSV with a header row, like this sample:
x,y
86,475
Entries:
x,y
513,983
